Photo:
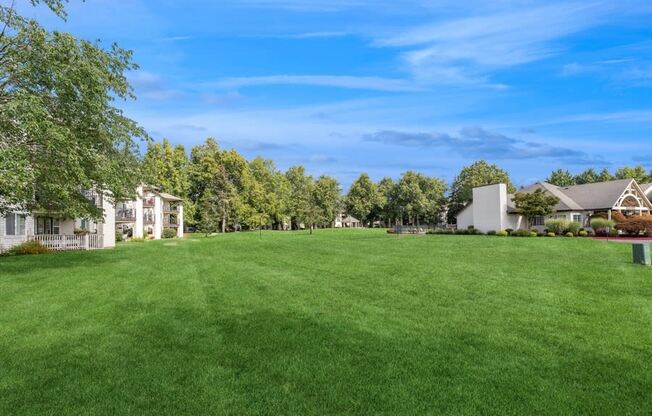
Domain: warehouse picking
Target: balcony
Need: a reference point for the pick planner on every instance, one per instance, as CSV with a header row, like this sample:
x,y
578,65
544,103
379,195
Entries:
x,y
148,202
170,222
148,219
170,207
126,215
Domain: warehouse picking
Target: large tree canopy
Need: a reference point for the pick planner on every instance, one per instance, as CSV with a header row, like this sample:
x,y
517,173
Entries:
x,y
362,198
60,132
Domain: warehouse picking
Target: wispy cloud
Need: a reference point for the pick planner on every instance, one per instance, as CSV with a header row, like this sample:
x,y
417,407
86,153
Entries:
x,y
174,38
315,35
151,86
477,142
466,50
306,5
339,81
629,116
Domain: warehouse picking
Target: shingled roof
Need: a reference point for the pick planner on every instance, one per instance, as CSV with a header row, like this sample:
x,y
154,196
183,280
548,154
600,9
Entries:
x,y
590,196
647,188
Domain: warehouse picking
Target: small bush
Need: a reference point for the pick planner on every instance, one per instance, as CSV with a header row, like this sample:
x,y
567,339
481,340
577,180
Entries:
x,y
569,234
118,237
613,232
551,235
534,234
169,233
583,233
80,231
28,248
557,225
502,233
137,240
573,227
521,233
601,225
492,232
468,231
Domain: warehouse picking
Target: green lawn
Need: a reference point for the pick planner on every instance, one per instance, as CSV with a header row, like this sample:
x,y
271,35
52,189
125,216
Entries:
x,y
340,322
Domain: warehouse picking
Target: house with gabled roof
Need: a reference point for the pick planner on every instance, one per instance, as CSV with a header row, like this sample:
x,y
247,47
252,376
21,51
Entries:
x,y
493,208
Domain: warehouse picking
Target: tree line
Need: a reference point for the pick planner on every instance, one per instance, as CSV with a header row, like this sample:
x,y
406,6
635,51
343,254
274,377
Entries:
x,y
223,191
563,177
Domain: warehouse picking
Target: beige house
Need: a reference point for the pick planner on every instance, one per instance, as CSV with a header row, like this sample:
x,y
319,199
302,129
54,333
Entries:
x,y
57,232
493,208
149,214
346,221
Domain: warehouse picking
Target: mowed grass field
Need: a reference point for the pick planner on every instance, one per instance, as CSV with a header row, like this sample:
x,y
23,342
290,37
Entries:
x,y
339,322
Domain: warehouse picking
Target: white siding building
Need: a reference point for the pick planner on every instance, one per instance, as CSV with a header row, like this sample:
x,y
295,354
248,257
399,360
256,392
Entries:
x,y
58,233
149,214
146,217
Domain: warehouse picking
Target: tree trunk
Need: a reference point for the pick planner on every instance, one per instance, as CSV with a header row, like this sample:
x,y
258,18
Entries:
x,y
223,225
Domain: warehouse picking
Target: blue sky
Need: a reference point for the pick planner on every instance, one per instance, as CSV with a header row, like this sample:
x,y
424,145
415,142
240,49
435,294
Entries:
x,y
345,86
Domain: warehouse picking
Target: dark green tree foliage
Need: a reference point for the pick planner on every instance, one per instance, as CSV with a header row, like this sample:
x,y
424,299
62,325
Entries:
x,y
327,199
479,173
633,172
588,176
274,187
385,211
166,167
300,196
532,204
561,177
363,197
60,132
605,176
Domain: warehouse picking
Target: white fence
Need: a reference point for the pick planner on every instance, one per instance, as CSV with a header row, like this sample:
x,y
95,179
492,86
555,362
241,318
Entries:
x,y
57,242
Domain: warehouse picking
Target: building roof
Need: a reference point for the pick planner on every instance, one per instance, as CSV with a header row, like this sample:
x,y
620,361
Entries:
x,y
646,187
590,196
169,197
349,218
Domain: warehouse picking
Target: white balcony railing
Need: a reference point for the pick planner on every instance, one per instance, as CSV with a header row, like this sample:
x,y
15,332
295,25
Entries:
x,y
59,242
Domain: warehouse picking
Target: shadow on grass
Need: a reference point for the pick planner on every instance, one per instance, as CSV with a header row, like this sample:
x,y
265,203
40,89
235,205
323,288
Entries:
x,y
199,361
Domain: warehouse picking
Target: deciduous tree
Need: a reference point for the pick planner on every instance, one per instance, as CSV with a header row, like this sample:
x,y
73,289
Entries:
x,y
60,131
362,198
536,203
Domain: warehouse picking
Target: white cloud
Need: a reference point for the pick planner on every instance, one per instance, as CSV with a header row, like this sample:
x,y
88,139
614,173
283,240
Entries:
x,y
466,50
634,116
151,86
317,35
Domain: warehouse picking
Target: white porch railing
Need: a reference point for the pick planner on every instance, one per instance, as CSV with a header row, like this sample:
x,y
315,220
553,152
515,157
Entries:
x,y
95,241
58,242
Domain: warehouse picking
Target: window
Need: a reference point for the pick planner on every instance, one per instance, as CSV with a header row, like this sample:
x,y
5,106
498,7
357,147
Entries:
x,y
20,225
10,227
538,220
46,225
577,218
15,224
